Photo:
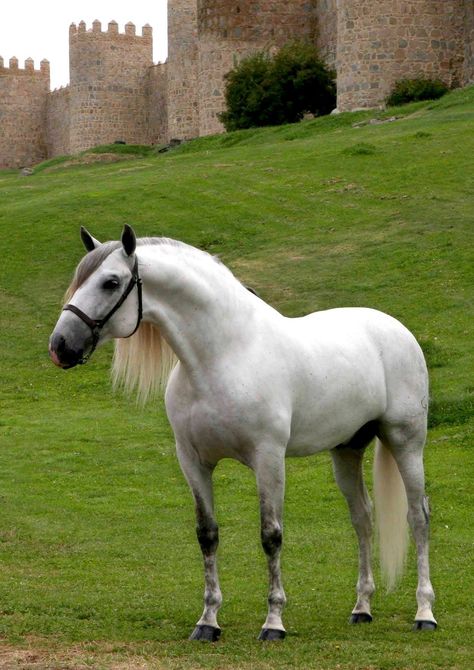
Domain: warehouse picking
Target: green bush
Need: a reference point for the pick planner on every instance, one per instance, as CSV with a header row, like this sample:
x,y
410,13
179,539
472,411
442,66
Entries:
x,y
413,90
267,91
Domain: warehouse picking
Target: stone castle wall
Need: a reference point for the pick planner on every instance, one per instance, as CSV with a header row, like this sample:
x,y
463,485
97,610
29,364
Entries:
x,y
326,30
117,94
58,123
183,113
468,72
228,32
380,43
157,103
23,101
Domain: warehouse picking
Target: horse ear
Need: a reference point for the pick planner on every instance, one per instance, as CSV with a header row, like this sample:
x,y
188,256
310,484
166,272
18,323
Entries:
x,y
88,241
129,240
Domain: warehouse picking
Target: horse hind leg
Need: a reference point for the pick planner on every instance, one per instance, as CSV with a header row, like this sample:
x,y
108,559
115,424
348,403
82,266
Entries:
x,y
405,443
347,466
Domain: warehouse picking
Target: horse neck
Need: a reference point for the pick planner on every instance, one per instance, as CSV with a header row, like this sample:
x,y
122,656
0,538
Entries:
x,y
199,306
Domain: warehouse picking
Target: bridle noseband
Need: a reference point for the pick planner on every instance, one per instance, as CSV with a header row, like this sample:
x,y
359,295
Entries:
x,y
96,325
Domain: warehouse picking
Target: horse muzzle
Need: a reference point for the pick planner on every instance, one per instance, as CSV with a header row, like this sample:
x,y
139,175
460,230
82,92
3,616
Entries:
x,y
63,355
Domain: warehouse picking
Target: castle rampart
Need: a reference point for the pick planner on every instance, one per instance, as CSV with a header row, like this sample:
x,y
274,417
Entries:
x,y
116,93
183,84
58,122
158,104
23,100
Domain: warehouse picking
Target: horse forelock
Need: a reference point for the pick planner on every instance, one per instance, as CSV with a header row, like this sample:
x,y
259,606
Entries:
x,y
89,264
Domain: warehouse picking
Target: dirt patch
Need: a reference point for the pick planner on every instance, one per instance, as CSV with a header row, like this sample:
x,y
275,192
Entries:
x,y
41,654
37,656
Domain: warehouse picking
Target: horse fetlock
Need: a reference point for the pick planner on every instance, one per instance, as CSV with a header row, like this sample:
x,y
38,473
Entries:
x,y
277,599
365,588
425,596
213,599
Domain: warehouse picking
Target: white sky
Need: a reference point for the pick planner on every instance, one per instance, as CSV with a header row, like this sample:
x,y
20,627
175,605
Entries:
x,y
40,28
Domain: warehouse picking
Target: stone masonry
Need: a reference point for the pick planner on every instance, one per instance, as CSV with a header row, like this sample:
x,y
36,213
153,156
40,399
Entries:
x,y
116,93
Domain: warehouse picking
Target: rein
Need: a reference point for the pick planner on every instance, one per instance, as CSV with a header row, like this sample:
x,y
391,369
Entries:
x,y
96,325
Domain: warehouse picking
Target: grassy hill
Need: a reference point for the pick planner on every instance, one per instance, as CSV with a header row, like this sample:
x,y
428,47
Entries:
x,y
99,564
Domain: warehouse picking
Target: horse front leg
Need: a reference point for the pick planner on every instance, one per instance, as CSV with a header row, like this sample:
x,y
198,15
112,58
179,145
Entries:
x,y
270,472
199,478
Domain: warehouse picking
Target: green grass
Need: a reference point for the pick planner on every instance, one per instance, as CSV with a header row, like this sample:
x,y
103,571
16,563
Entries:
x,y
97,546
105,152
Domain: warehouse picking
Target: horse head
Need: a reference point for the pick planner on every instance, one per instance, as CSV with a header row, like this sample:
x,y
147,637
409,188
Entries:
x,y
97,308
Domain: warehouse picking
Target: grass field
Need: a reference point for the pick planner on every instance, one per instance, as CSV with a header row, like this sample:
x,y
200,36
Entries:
x,y
99,567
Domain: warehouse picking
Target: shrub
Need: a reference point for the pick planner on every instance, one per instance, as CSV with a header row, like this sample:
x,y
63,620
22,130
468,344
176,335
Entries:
x,y
412,90
267,91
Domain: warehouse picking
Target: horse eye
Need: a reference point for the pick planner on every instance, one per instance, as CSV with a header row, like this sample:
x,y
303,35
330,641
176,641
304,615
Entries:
x,y
111,284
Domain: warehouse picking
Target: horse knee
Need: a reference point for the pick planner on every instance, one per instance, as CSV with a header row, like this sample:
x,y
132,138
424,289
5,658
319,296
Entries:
x,y
208,537
272,537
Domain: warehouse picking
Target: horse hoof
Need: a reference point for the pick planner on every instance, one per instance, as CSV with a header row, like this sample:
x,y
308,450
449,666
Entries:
x,y
360,617
205,633
271,634
425,625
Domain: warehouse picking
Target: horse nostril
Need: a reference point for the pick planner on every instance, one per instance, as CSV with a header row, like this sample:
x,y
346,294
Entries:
x,y
58,344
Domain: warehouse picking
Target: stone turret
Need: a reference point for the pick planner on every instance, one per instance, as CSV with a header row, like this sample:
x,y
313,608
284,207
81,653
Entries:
x,y
23,99
108,84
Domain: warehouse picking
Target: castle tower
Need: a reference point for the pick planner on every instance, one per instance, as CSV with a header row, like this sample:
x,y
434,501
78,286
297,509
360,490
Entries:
x,y
108,84
381,42
23,97
230,31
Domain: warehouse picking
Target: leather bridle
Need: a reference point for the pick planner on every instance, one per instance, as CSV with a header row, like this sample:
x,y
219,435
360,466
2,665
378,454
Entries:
x,y
96,325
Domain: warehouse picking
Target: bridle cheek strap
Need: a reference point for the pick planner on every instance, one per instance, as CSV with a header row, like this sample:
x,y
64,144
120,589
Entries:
x,y
96,325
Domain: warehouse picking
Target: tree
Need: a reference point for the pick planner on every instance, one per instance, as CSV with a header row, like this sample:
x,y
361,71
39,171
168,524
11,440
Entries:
x,y
264,90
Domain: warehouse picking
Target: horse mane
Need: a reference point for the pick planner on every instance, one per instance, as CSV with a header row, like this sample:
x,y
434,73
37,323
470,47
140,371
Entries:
x,y
143,362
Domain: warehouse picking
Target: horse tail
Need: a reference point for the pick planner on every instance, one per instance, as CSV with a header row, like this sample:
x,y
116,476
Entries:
x,y
391,509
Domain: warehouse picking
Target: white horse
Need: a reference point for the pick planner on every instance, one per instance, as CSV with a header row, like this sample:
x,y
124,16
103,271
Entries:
x,y
247,383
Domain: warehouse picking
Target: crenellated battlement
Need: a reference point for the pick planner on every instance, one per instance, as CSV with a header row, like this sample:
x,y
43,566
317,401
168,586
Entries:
x,y
116,93
28,69
130,30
